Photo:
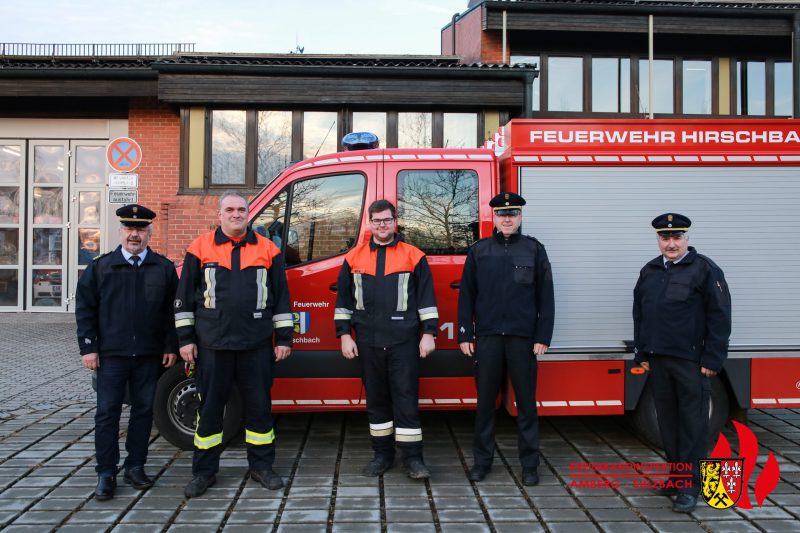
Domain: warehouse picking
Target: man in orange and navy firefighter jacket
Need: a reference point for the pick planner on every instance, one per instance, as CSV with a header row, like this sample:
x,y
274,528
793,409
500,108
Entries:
x,y
231,299
385,292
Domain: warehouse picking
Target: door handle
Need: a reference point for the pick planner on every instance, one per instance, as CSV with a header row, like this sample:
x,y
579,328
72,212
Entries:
x,y
455,284
333,287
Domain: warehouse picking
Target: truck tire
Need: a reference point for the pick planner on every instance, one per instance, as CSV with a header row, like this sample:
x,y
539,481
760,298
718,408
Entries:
x,y
645,421
175,409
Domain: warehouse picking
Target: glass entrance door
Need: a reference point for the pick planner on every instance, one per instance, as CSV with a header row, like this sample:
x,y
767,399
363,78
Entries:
x,y
12,217
86,210
47,234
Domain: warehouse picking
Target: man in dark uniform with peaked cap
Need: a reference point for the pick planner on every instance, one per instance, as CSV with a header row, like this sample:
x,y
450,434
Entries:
x,y
506,310
681,327
125,333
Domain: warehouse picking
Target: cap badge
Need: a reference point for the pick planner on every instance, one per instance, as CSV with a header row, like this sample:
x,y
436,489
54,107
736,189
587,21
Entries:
x,y
669,218
135,209
669,225
507,196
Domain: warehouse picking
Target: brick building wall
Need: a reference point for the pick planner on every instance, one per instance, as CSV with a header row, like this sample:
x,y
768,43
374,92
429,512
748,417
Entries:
x,y
473,45
181,218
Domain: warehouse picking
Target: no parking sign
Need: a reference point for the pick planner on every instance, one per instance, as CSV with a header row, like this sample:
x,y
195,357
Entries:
x,y
124,154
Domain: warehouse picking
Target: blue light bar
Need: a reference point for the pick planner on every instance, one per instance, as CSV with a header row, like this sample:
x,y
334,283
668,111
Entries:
x,y
360,140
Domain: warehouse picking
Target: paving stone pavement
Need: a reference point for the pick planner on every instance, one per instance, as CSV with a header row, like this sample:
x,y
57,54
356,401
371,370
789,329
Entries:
x,y
47,476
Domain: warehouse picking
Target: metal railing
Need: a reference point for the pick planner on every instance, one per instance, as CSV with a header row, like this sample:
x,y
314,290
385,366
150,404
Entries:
x,y
94,49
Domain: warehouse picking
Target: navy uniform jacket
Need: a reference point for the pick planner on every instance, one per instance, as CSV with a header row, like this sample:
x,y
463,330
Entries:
x,y
233,296
506,289
683,311
120,311
386,293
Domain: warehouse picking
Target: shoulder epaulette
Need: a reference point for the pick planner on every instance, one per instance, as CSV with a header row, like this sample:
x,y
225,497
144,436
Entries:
x,y
534,239
103,255
709,261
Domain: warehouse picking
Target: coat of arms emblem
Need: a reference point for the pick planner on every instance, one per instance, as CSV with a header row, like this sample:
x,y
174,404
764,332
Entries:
x,y
721,481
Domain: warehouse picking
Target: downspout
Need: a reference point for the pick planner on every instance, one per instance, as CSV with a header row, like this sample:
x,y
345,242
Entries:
x,y
453,25
527,100
796,66
505,29
650,66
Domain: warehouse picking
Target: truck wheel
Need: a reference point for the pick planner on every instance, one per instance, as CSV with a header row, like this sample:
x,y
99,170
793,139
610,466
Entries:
x,y
645,421
175,409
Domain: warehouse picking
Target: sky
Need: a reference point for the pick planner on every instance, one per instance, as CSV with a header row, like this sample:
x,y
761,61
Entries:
x,y
261,26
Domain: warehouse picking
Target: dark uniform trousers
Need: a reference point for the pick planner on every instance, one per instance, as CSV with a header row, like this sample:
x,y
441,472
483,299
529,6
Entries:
x,y
115,375
391,380
493,354
682,396
216,372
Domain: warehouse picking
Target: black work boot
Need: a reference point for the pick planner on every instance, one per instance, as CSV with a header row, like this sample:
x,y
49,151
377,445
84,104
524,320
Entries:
x,y
478,472
268,478
416,469
378,465
530,476
198,486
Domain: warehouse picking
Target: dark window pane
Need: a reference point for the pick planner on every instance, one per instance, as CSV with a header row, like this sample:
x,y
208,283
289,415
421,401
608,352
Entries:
x,y
611,84
438,209
47,246
565,84
9,287
663,86
751,83
228,147
274,144
325,217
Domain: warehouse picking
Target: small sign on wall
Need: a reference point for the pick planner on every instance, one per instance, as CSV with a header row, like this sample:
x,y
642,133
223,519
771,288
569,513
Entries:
x,y
123,180
123,196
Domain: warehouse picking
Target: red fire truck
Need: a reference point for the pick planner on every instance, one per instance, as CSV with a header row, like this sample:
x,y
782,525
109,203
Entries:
x,y
592,188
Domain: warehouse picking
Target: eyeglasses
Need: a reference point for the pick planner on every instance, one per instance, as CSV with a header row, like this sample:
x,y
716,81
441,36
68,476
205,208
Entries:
x,y
381,221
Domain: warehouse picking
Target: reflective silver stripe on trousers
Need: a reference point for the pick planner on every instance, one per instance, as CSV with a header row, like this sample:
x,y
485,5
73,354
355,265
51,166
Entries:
x,y
381,430
402,291
262,288
427,313
342,313
359,292
408,435
210,293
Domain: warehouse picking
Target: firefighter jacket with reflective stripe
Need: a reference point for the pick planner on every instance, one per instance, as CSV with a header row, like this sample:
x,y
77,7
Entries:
x,y
506,289
125,310
232,294
385,293
682,311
